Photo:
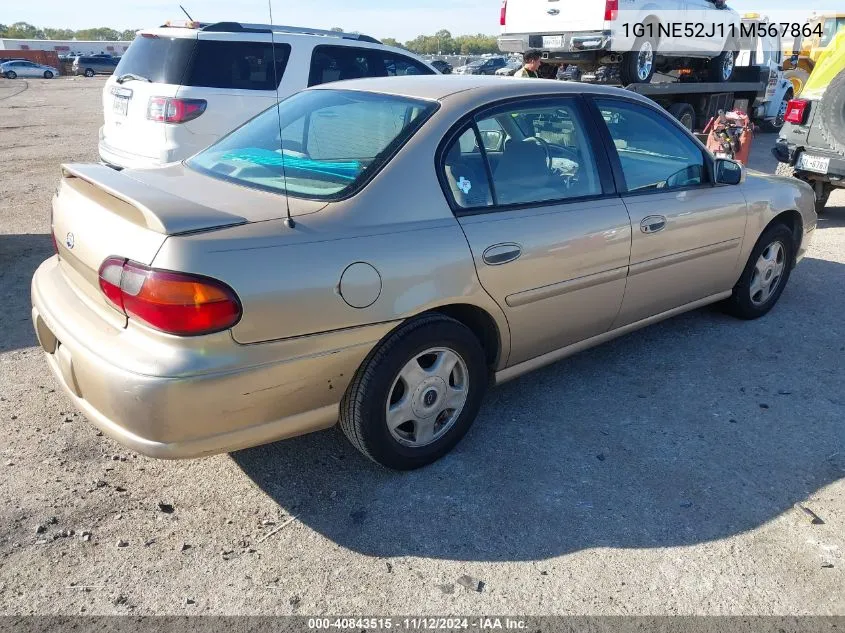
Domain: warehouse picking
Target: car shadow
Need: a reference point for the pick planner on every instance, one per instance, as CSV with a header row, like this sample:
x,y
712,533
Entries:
x,y
692,430
833,217
20,255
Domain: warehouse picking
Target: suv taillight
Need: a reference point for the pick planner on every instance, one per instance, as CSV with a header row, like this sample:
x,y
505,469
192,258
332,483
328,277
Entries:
x,y
796,111
171,110
611,8
176,303
503,15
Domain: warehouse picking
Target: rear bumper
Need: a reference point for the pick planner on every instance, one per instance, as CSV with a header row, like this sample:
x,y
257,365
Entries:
x,y
171,397
114,157
573,46
788,153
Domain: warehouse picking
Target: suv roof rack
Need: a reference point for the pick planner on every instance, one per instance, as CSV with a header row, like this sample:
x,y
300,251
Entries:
x,y
240,27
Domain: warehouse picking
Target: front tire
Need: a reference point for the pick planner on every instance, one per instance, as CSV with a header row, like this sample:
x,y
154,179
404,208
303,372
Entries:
x,y
89,72
685,113
765,275
417,393
11,74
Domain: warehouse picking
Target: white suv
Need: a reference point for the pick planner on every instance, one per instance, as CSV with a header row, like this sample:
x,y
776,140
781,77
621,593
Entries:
x,y
180,88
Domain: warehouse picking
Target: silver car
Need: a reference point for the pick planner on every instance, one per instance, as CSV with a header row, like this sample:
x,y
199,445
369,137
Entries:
x,y
382,251
22,68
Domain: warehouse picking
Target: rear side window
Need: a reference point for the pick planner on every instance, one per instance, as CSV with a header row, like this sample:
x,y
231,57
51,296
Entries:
x,y
337,63
317,144
237,65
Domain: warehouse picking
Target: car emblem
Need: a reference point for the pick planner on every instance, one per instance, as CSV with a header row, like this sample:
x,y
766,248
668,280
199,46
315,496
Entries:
x,y
553,11
69,240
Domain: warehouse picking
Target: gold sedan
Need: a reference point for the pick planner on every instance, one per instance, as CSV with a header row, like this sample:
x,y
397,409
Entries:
x,y
381,251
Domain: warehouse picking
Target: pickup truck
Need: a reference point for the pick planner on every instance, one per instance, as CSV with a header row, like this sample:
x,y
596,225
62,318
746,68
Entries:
x,y
594,33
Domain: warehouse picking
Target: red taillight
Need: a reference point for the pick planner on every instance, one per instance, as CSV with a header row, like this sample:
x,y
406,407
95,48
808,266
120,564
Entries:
x,y
611,8
170,110
176,303
796,110
503,16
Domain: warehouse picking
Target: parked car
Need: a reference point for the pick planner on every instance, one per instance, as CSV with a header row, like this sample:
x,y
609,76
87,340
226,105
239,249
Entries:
x,y
94,65
443,67
487,66
179,89
11,70
510,69
589,34
811,144
181,317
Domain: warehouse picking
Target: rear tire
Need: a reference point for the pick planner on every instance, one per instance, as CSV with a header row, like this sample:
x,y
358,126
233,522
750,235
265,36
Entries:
x,y
89,72
637,66
380,385
48,74
765,275
685,113
721,68
776,124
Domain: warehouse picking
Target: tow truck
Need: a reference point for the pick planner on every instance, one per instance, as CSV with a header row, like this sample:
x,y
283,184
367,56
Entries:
x,y
757,87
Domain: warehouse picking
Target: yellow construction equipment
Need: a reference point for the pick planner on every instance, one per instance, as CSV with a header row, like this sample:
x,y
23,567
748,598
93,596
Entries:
x,y
800,62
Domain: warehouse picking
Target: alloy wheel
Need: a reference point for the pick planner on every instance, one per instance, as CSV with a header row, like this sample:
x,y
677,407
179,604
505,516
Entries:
x,y
645,60
427,397
768,273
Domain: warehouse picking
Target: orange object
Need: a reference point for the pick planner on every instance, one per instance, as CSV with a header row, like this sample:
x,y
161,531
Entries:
x,y
730,134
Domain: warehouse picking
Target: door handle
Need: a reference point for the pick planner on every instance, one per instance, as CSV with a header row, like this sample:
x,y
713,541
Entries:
x,y
653,224
499,254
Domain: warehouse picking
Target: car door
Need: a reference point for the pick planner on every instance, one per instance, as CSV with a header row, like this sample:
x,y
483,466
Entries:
x,y
25,69
531,188
687,232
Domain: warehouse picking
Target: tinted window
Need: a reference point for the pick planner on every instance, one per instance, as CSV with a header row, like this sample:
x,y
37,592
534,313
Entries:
x,y
654,153
332,139
536,153
237,65
398,65
336,63
161,59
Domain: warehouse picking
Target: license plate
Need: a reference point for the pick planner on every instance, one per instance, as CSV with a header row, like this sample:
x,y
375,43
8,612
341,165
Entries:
x,y
553,41
818,164
120,106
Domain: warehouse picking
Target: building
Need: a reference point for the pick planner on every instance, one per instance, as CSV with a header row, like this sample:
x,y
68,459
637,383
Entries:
x,y
65,47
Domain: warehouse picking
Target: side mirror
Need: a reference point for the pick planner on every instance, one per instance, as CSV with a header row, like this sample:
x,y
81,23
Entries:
x,y
729,172
493,140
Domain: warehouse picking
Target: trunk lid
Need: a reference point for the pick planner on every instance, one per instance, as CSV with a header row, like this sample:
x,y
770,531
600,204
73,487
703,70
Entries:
x,y
99,212
551,16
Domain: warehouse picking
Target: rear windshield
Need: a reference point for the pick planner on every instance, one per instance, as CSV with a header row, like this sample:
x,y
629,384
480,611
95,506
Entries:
x,y
318,144
206,63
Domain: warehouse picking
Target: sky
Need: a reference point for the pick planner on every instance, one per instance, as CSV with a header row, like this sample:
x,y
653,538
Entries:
x,y
402,19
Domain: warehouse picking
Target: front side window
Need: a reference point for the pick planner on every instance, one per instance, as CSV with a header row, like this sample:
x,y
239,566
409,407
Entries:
x,y
653,152
319,144
535,153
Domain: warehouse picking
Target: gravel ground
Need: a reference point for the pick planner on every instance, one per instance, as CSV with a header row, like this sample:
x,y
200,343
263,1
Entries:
x,y
657,474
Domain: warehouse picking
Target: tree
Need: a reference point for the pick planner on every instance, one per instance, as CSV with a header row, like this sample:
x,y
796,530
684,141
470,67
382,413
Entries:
x,y
389,41
128,35
24,31
337,29
99,34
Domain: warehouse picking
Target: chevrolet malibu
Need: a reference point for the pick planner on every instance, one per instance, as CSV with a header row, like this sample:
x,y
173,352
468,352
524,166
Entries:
x,y
381,251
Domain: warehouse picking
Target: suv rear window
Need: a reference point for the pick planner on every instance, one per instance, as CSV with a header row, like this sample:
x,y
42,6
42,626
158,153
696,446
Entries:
x,y
206,63
333,140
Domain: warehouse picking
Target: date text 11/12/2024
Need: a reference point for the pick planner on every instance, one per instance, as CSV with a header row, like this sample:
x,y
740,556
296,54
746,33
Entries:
x,y
420,624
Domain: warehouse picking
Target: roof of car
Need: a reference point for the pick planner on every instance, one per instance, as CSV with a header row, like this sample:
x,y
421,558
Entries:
x,y
439,87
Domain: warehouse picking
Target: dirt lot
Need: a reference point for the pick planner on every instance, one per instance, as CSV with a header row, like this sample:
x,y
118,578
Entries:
x,y
657,474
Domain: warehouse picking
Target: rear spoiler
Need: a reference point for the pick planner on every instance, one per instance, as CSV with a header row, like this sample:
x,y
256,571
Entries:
x,y
163,212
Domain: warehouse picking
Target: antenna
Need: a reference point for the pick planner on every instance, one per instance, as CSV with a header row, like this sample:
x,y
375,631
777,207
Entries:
x,y
289,221
186,13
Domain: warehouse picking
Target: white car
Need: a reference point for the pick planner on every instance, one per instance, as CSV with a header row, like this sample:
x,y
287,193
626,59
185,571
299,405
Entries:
x,y
637,37
20,68
180,88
